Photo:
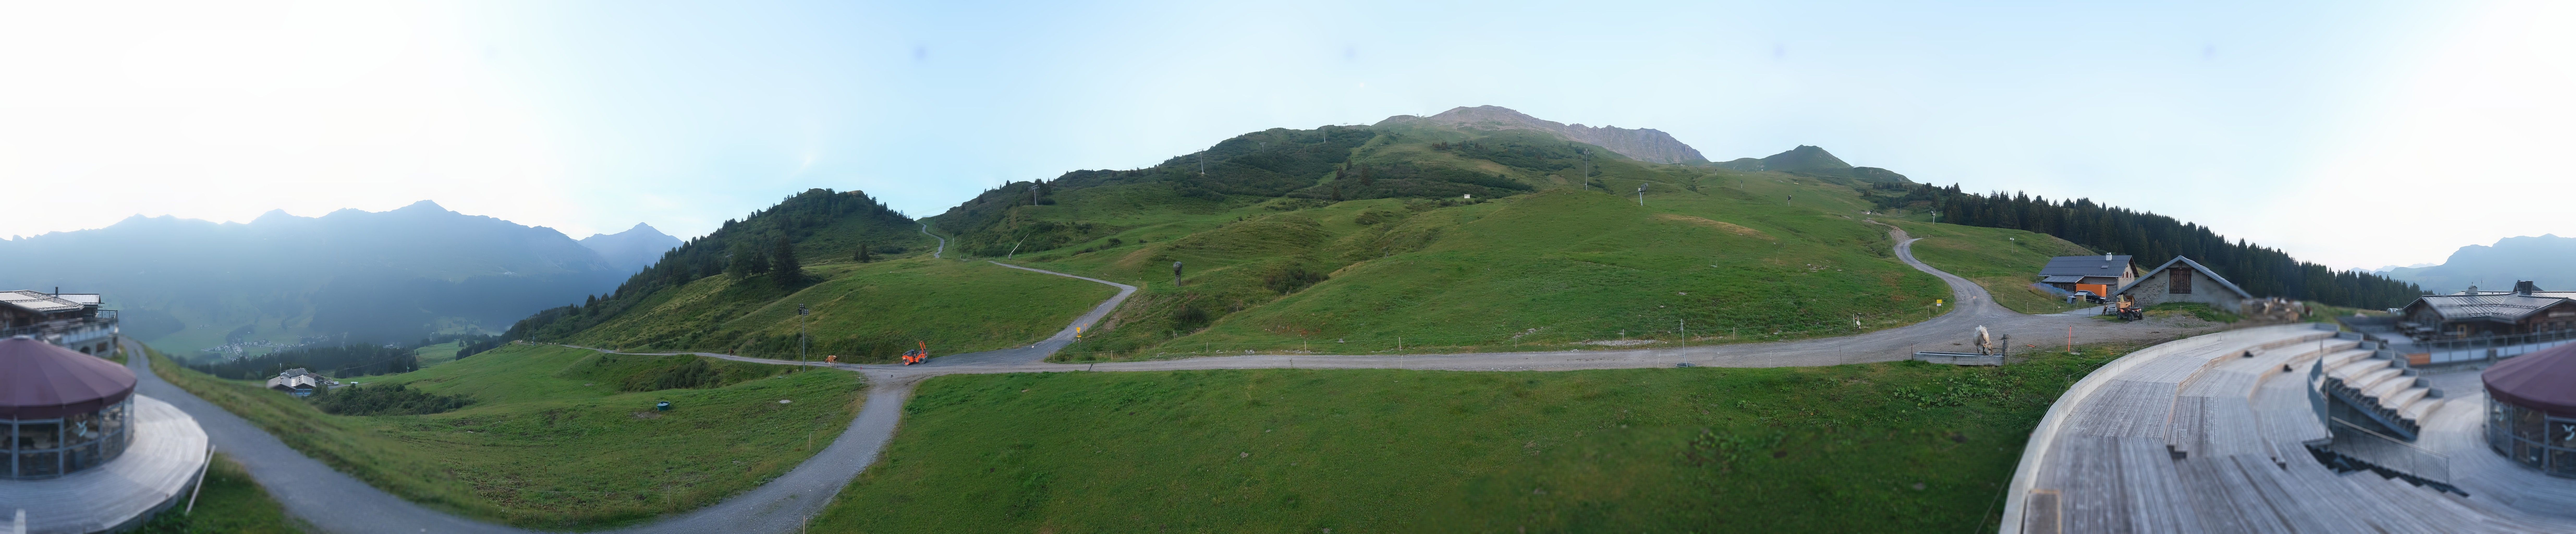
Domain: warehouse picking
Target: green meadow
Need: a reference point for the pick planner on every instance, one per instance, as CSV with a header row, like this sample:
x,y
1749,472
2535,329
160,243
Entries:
x,y
863,312
1888,447
559,437
1536,271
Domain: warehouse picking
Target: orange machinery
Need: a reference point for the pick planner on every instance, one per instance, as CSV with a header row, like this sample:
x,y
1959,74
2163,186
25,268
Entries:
x,y
917,355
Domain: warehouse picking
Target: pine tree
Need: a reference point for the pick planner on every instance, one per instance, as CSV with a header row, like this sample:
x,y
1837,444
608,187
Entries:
x,y
862,254
784,265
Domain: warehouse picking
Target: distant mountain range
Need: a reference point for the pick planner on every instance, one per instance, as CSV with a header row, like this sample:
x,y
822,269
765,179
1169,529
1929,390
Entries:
x,y
185,284
2542,260
633,249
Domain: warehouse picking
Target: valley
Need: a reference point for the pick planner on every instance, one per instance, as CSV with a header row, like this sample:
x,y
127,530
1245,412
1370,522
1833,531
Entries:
x,y
1450,321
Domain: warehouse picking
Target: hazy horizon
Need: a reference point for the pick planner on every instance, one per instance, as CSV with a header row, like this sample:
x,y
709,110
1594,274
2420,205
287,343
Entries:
x,y
2287,126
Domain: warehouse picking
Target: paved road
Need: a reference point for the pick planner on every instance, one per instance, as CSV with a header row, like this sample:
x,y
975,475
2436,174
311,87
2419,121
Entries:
x,y
339,503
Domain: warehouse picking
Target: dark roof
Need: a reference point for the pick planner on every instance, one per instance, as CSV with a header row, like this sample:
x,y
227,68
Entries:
x,y
40,380
2213,275
2544,380
2490,305
2085,266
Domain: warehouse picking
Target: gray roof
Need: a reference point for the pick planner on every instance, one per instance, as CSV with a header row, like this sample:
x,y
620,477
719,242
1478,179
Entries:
x,y
2491,305
38,301
2213,275
2063,279
2086,266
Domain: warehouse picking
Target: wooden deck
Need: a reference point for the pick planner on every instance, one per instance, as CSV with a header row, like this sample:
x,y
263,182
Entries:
x,y
168,452
2193,436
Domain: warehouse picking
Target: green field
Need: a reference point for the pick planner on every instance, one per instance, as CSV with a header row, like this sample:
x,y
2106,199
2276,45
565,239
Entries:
x,y
2005,262
228,502
559,437
439,353
863,312
1536,271
1890,447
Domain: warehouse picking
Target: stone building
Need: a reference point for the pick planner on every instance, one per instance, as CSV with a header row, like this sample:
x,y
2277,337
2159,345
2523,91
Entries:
x,y
2183,280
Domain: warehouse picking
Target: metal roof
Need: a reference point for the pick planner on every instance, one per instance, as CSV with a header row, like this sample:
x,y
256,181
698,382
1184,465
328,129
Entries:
x,y
2213,275
2086,266
2492,306
37,301
2063,279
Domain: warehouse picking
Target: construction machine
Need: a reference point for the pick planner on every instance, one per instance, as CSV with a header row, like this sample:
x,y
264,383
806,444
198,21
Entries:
x,y
917,355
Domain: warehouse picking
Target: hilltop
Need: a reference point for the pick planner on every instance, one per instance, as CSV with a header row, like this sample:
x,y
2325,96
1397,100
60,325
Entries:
x,y
1643,144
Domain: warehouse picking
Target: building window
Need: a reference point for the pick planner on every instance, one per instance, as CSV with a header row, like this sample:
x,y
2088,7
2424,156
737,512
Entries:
x,y
2180,281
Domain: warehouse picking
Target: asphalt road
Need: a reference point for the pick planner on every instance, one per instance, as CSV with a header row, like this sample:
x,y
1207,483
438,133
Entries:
x,y
337,502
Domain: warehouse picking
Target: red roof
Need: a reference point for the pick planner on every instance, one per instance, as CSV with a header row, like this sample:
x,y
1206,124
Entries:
x,y
2545,380
40,380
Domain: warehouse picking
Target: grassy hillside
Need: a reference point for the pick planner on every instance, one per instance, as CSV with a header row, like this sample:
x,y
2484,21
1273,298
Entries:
x,y
2004,261
1890,447
228,502
1566,256
562,438
861,311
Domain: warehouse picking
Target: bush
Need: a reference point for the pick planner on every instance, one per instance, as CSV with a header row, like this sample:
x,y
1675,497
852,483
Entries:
x,y
386,400
1291,279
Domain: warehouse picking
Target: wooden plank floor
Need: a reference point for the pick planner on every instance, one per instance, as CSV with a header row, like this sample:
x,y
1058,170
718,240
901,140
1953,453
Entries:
x,y
168,451
2197,437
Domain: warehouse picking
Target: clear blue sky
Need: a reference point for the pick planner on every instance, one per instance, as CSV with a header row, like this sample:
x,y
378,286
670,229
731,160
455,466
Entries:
x,y
2291,125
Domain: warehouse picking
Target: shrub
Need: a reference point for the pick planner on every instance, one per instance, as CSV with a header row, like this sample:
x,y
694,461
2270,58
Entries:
x,y
1289,280
386,400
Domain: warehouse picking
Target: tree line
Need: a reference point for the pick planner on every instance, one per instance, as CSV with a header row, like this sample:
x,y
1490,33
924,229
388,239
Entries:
x,y
2153,239
335,362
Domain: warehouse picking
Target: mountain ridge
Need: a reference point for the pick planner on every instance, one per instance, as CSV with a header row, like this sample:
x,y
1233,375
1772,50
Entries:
x,y
394,275
2498,266
1641,144
633,249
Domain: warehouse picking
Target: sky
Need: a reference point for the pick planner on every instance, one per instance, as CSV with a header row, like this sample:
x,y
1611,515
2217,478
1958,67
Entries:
x,y
2355,134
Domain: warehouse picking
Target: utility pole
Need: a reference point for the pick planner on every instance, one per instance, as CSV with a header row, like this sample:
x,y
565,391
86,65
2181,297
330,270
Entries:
x,y
800,334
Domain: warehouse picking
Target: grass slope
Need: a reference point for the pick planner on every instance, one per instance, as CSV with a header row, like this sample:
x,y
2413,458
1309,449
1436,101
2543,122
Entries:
x,y
1885,447
552,442
1531,271
228,502
864,312
2004,261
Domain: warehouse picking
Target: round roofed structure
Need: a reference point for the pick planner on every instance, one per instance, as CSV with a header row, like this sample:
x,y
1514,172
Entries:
x,y
60,411
2531,409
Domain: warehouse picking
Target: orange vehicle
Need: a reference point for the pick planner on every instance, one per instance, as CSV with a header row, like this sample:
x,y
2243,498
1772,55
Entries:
x,y
917,355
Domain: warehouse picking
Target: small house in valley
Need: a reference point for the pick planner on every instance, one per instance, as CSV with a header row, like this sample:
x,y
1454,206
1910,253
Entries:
x,y
2095,274
2183,280
300,382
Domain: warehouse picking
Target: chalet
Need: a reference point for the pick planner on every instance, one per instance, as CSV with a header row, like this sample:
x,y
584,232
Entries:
x,y
300,382
2097,274
2473,313
71,320
2183,280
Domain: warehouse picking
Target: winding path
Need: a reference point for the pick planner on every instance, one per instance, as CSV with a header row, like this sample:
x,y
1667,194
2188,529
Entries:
x,y
337,502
